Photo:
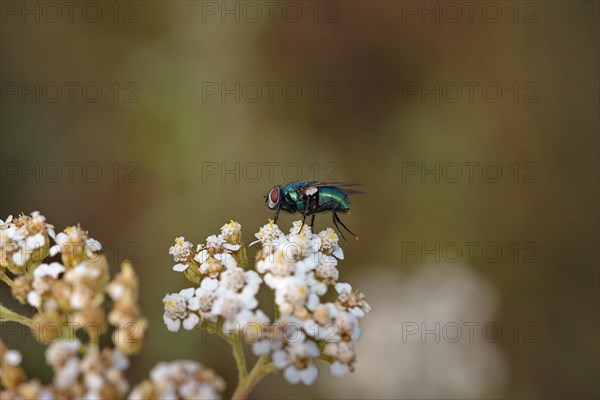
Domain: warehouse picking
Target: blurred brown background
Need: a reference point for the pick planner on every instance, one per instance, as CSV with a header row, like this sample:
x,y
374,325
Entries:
x,y
388,91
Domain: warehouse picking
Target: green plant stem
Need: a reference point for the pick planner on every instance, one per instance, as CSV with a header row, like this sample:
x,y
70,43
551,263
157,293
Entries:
x,y
238,354
6,280
236,344
9,315
262,368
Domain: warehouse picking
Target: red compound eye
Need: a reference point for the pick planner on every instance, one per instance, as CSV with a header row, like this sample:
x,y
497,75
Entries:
x,y
274,195
273,198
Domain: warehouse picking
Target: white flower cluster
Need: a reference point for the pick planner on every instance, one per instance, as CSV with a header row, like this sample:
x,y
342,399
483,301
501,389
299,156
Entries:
x,y
226,292
182,379
299,268
97,374
22,239
71,295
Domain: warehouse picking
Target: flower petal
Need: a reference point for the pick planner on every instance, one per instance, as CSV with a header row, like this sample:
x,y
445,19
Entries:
x,y
309,374
280,359
339,369
292,375
343,287
180,267
191,321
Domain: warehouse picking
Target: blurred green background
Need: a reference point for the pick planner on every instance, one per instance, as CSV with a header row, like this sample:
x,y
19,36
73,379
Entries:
x,y
378,105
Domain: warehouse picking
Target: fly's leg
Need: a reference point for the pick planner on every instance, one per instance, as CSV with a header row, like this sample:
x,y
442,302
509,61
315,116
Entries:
x,y
312,221
305,211
335,219
277,213
340,221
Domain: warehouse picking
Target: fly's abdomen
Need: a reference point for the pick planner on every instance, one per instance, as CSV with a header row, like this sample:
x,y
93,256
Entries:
x,y
333,196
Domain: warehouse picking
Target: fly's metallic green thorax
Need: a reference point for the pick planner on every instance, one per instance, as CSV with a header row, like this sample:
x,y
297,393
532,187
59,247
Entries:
x,y
310,198
292,193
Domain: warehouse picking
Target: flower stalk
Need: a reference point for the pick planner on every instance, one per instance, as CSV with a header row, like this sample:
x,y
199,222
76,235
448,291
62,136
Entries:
x,y
6,279
245,386
9,315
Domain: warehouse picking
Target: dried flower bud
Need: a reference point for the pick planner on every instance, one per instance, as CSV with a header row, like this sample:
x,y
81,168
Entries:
x,y
21,287
11,373
130,337
47,327
130,332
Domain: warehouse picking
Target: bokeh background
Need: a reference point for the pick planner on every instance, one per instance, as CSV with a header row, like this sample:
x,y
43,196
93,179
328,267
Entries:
x,y
178,144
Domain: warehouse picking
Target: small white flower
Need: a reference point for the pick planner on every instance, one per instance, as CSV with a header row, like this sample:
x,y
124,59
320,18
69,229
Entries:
x,y
294,295
330,243
269,234
215,242
296,359
276,264
229,305
352,301
204,298
344,357
347,324
232,234
175,310
214,265
327,270
245,283
181,250
321,326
